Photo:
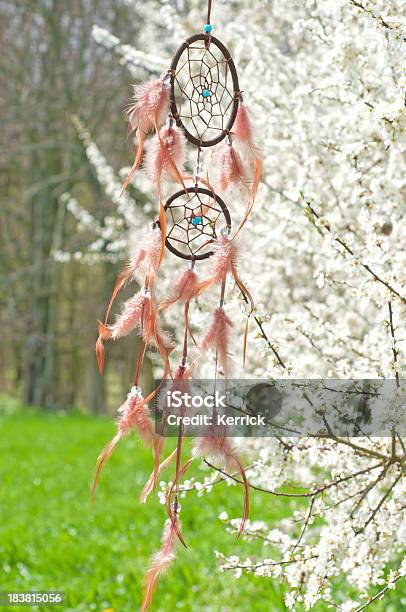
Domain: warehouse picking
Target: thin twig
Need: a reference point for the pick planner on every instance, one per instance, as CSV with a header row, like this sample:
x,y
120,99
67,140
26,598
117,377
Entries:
x,y
294,495
305,524
394,349
384,23
379,506
351,252
271,564
265,337
378,595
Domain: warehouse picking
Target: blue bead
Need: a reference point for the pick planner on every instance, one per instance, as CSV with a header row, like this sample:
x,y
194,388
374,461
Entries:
x,y
196,220
206,93
208,28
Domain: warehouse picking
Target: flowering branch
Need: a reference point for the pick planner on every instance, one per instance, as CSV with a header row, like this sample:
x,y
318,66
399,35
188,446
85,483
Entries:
x,y
351,252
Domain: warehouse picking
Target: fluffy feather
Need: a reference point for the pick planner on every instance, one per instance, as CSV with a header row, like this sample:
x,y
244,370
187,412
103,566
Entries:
x,y
184,289
231,169
223,260
104,334
216,446
153,334
146,259
242,131
180,384
129,318
242,126
224,257
149,485
162,339
126,276
165,156
252,185
151,245
150,105
217,337
148,110
133,414
160,563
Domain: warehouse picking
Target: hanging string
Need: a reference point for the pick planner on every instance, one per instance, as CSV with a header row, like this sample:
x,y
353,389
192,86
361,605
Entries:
x,y
208,12
138,369
185,338
222,294
143,350
198,168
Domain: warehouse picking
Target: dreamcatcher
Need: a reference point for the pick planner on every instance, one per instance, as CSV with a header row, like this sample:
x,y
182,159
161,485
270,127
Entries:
x,y
198,100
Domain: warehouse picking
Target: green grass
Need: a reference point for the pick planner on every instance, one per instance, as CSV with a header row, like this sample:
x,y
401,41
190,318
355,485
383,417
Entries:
x,y
51,539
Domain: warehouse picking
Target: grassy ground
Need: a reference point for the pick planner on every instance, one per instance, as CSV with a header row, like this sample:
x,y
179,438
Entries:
x,y
50,538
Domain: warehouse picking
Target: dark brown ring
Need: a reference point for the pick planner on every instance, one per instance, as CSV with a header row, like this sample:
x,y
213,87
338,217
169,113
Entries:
x,y
215,197
236,89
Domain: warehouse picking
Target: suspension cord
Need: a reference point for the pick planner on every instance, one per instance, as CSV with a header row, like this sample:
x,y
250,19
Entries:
x,y
208,12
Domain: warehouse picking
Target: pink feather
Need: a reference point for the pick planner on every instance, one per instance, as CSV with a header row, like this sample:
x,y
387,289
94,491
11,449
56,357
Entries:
x,y
162,338
104,334
165,156
150,105
133,414
181,384
242,126
224,257
217,337
184,289
153,333
230,166
216,446
131,315
148,111
149,485
160,563
180,381
126,322
224,260
152,246
242,132
146,258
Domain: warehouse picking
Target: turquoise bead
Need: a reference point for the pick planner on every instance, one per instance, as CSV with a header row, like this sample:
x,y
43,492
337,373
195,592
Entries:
x,y
205,93
196,220
208,28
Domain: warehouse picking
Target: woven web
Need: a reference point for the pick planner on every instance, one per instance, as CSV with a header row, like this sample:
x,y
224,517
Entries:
x,y
202,69
191,223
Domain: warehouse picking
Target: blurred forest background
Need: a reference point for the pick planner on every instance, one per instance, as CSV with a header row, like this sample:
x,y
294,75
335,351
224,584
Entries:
x,y
49,65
